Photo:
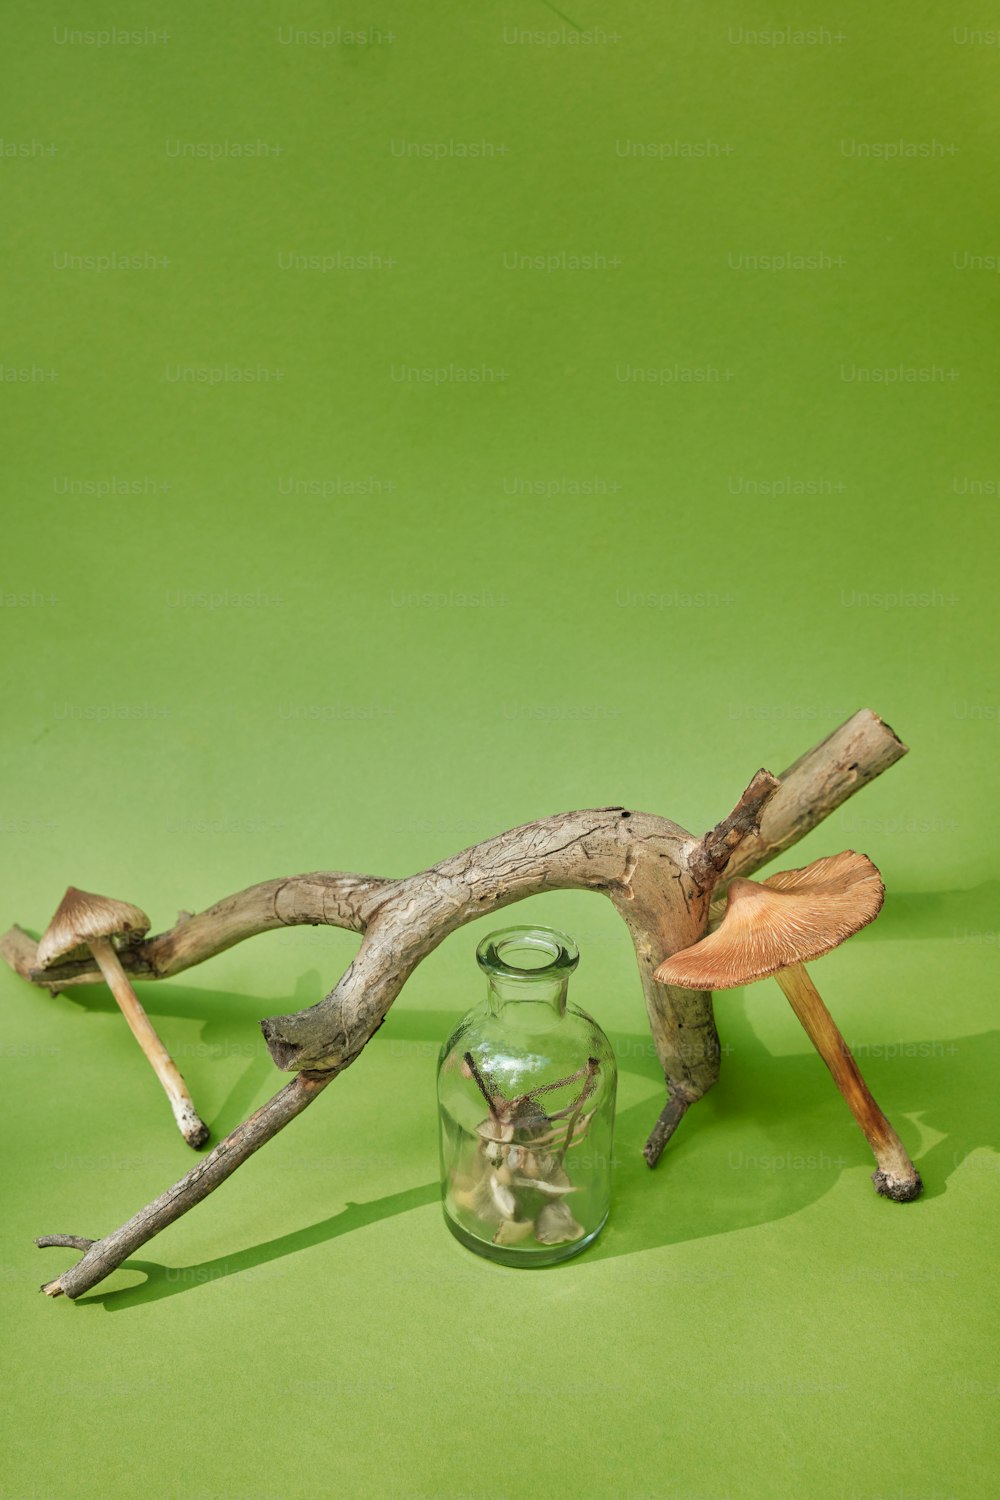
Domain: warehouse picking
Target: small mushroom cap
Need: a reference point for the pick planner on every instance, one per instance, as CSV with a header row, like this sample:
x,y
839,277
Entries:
x,y
789,918
556,1224
81,916
513,1231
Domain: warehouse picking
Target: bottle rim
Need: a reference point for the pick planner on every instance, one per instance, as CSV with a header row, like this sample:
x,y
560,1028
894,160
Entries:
x,y
495,953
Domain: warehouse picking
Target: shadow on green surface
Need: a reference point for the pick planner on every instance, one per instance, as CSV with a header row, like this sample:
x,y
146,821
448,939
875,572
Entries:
x,y
166,1281
969,916
771,1139
230,1029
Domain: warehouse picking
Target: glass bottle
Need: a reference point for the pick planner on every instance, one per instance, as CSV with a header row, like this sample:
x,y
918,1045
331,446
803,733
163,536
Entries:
x,y
526,1103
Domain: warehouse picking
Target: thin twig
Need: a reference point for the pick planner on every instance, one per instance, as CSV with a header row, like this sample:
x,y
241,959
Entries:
x,y
593,1067
470,1062
560,1083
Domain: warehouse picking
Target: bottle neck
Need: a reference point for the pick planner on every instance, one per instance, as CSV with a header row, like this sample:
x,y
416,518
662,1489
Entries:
x,y
539,1001
527,971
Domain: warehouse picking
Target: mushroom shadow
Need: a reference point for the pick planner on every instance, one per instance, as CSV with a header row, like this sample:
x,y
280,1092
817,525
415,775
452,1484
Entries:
x,y
963,916
230,1028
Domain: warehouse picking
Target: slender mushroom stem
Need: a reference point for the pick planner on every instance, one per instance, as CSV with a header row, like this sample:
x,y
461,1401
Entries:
x,y
189,1122
896,1177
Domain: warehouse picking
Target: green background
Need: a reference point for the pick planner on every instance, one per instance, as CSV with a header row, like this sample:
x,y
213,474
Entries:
x,y
354,618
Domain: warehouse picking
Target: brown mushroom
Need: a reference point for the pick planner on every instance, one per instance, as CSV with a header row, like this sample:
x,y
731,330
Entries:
x,y
775,927
84,921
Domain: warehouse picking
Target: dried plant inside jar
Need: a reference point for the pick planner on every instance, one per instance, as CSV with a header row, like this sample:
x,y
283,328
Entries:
x,y
514,1179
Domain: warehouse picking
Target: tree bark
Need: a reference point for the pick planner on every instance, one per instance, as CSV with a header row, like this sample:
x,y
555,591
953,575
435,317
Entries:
x,y
659,878
816,785
324,898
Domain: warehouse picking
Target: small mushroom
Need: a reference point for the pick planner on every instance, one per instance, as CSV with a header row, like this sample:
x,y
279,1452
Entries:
x,y
513,1231
556,1225
557,1185
493,1137
463,1184
775,927
537,1163
481,1200
547,1189
84,921
503,1197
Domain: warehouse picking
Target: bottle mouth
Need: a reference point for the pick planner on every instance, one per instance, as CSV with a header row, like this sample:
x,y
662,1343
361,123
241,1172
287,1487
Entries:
x,y
528,953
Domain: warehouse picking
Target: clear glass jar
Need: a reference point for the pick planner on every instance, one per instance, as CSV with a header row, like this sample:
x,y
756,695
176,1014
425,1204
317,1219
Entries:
x,y
526,1104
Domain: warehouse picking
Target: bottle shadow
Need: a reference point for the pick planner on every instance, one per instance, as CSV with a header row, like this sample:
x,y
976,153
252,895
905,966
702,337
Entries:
x,y
796,1137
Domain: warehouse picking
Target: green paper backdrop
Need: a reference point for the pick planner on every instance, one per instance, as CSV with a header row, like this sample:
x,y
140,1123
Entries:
x,y
423,419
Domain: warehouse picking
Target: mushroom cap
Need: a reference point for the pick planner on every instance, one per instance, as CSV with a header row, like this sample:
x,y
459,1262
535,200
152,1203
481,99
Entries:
x,y
80,916
789,918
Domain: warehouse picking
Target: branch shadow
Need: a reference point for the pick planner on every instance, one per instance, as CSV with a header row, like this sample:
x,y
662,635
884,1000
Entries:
x,y
167,1281
775,1136
799,1135
797,1139
230,1029
958,915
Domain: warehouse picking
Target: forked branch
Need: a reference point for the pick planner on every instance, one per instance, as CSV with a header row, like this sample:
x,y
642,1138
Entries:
x,y
659,878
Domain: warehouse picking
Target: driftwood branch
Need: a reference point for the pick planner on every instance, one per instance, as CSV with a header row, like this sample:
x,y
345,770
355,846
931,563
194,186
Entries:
x,y
721,842
815,786
101,1257
659,878
321,899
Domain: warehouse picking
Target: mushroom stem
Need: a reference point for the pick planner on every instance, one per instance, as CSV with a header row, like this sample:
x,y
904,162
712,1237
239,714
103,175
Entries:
x,y
189,1122
896,1177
